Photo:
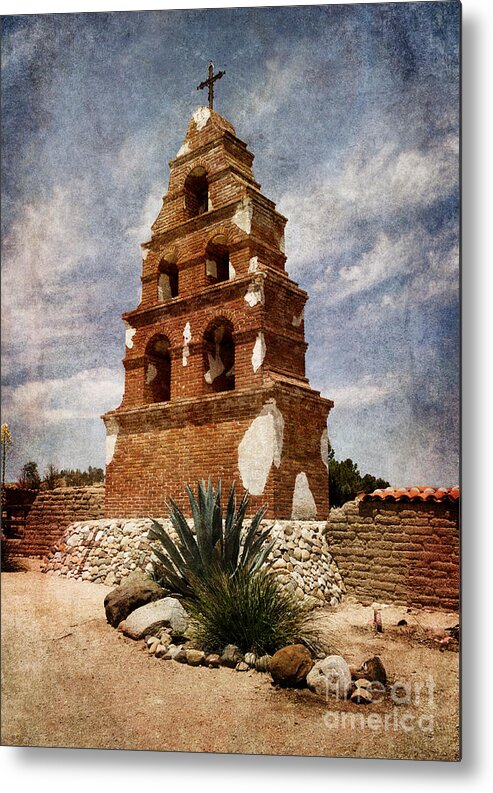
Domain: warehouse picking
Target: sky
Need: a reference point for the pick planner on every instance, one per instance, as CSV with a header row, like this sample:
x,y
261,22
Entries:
x,y
352,112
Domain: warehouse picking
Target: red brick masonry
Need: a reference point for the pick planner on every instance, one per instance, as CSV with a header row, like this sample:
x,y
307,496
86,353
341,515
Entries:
x,y
228,304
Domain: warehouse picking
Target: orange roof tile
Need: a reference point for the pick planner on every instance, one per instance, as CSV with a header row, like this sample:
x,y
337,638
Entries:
x,y
412,494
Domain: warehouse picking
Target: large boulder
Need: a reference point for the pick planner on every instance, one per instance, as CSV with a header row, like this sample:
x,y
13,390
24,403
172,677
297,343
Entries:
x,y
290,665
163,613
330,676
127,597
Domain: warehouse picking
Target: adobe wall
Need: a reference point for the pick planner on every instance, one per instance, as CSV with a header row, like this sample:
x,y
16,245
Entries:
x,y
398,552
51,513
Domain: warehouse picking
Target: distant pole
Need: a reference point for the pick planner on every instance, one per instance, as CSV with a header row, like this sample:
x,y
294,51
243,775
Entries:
x,y
6,441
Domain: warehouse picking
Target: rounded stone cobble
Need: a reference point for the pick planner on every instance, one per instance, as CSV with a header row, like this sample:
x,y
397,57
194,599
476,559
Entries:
x,y
109,550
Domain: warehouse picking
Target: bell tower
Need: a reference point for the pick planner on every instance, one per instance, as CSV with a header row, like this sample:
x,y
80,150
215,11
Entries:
x,y
214,364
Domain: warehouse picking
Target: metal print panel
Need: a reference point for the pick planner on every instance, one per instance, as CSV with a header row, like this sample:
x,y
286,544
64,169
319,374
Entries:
x,y
230,438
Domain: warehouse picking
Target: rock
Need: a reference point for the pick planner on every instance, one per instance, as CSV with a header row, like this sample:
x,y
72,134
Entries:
x,y
161,651
354,670
231,656
150,640
331,676
363,683
171,652
362,696
242,667
373,669
131,595
153,647
213,660
262,664
180,656
166,612
250,659
290,665
195,657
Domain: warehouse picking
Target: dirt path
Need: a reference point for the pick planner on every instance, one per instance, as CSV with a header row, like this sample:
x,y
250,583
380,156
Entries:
x,y
70,680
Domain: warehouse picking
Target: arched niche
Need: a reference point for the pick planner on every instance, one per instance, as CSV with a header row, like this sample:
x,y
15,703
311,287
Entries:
x,y
196,192
219,355
157,370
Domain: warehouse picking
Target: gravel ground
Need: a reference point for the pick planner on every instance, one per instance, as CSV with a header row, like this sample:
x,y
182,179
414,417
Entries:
x,y
70,680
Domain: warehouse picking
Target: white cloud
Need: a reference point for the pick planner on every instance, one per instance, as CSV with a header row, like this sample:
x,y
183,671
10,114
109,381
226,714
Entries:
x,y
369,390
326,218
85,395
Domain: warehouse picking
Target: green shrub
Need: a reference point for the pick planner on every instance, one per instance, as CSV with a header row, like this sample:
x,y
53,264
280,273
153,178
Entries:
x,y
250,610
216,543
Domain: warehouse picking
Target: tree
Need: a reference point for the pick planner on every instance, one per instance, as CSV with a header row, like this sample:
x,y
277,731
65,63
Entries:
x,y
30,478
345,480
51,477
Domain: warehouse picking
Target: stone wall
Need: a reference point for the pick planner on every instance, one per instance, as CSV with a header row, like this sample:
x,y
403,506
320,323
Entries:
x,y
398,552
51,513
107,551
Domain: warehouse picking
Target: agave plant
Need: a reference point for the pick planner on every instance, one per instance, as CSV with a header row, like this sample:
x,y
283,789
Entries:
x,y
217,543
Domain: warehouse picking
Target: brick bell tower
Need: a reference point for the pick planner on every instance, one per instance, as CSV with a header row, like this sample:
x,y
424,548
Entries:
x,y
215,352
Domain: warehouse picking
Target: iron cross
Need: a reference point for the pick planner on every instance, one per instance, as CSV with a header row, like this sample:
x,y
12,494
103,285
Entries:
x,y
209,83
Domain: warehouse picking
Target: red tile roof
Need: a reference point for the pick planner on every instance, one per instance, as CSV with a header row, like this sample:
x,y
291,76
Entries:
x,y
412,494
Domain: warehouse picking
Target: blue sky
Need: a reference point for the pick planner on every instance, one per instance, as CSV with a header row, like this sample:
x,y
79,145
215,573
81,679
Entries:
x,y
352,114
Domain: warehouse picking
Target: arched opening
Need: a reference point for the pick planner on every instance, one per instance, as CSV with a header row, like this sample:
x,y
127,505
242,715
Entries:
x,y
157,378
219,356
217,260
167,281
196,192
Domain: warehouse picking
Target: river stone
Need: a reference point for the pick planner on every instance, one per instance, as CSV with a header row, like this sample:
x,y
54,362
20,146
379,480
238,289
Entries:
x,y
290,665
331,675
195,657
231,656
131,595
166,612
362,696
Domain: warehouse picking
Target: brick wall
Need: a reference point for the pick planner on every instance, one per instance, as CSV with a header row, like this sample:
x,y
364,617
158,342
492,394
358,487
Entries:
x,y
161,448
398,552
51,513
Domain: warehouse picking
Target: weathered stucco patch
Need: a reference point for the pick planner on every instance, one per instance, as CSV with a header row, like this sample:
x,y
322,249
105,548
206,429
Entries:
x,y
243,215
112,428
129,335
282,243
211,268
255,292
187,338
324,448
253,265
231,272
216,367
296,321
184,149
260,447
163,287
145,254
201,117
259,350
151,373
304,507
